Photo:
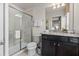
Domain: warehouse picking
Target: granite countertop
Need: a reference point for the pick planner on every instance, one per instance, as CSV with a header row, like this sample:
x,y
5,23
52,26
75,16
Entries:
x,y
61,34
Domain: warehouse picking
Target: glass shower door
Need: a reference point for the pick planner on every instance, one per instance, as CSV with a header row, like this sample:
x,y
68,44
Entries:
x,y
14,30
26,32
20,30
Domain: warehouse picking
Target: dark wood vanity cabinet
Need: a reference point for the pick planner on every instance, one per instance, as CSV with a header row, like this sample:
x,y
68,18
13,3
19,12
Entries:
x,y
59,46
70,50
48,47
59,49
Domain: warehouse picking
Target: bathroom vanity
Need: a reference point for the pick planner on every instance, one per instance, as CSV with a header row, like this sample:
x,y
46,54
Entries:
x,y
58,40
60,44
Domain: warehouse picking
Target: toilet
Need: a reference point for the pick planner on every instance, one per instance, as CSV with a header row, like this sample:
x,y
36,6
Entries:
x,y
31,48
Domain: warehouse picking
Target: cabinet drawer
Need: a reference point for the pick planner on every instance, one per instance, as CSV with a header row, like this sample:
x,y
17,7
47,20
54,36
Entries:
x,y
49,37
74,40
64,39
44,37
52,38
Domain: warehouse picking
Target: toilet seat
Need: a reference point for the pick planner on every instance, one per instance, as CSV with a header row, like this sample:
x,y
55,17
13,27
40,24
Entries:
x,y
31,44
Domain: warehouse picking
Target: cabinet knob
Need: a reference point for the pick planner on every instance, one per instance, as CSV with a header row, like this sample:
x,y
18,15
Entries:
x,y
58,44
54,44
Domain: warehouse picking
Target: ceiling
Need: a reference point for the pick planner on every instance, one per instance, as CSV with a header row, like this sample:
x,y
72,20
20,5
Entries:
x,y
26,6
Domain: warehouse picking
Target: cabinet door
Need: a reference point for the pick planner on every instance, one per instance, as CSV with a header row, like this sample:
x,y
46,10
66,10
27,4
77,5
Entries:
x,y
78,50
45,47
59,46
52,48
70,50
48,48
59,49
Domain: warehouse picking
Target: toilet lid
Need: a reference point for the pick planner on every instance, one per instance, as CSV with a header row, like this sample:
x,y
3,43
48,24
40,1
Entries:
x,y
31,44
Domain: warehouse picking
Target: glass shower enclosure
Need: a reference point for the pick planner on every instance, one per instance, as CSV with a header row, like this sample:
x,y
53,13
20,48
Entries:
x,y
20,30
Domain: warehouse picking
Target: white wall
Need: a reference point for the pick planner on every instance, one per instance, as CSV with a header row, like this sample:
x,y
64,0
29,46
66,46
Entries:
x,y
4,19
71,15
1,22
1,28
55,13
6,30
76,17
39,20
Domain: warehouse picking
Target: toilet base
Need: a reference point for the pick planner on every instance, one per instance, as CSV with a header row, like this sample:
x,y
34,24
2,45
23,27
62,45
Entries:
x,y
31,52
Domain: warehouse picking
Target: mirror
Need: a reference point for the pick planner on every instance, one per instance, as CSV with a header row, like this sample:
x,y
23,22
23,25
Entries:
x,y
57,17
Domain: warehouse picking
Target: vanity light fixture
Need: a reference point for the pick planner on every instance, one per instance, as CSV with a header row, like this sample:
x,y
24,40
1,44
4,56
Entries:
x,y
63,4
54,7
54,4
57,5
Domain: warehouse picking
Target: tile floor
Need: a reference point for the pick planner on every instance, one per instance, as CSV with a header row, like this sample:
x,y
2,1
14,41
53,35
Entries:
x,y
25,53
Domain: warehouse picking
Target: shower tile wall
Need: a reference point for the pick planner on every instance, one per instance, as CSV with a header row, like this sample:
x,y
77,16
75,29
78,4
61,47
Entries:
x,y
25,30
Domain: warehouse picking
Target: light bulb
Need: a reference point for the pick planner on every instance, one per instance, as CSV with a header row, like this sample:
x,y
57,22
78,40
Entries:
x,y
57,27
62,4
54,7
54,4
58,5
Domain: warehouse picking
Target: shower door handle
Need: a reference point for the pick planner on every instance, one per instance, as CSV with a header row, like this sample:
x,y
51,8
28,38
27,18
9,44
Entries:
x,y
20,36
